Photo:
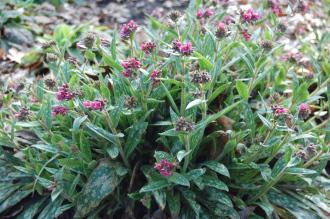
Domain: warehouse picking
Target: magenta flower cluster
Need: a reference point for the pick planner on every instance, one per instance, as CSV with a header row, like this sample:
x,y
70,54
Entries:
x,y
128,29
59,110
184,48
275,6
246,35
130,65
280,111
165,167
64,93
148,47
154,77
250,15
204,13
94,105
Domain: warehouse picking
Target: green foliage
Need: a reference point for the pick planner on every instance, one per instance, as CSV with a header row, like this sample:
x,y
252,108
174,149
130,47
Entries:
x,y
218,132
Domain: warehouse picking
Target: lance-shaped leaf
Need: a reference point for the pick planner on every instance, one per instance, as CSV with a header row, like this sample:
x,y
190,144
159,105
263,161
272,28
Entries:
x,y
134,136
101,183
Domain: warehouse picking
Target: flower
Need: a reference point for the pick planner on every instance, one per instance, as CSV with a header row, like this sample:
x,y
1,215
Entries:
x,y
132,63
199,77
50,83
186,49
228,20
175,15
275,6
280,111
221,30
130,102
293,57
59,110
250,15
89,40
176,44
128,29
182,125
303,111
48,44
246,35
154,74
94,105
22,114
267,45
204,13
165,167
64,93
148,47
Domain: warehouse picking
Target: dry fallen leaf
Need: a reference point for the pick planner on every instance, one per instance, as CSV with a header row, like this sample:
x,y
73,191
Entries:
x,y
15,55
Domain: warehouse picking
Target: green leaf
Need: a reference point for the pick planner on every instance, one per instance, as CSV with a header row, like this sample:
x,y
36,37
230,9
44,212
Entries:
x,y
50,210
265,121
194,103
194,174
155,185
242,89
215,183
300,94
31,210
77,122
101,183
103,133
134,137
113,151
204,63
108,60
178,179
216,93
47,148
182,154
217,167
174,203
14,199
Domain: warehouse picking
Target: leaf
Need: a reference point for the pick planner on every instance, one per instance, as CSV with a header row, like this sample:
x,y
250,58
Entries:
x,y
47,148
195,103
301,93
216,93
182,154
31,210
264,121
215,183
77,122
242,89
50,210
102,133
160,198
161,155
14,199
101,183
194,174
217,167
113,151
134,137
155,185
178,179
204,63
108,60
174,203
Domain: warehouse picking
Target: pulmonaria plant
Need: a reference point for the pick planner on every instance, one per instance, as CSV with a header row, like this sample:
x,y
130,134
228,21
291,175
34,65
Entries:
x,y
179,121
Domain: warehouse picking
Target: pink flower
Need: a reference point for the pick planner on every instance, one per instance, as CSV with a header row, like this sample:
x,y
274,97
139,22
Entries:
x,y
304,111
148,47
176,45
250,15
128,29
64,93
200,14
154,78
228,20
246,35
204,13
165,167
221,30
186,49
303,107
280,111
275,5
59,110
94,105
127,73
132,63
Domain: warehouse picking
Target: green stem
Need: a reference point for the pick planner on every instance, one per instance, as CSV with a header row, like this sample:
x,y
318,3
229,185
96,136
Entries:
x,y
187,158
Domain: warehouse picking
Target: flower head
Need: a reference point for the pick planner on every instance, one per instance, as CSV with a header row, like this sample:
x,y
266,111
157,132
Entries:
x,y
132,63
130,102
50,83
303,111
48,44
267,45
94,105
246,35
128,29
89,40
280,111
186,49
183,125
148,47
221,30
64,93
199,77
165,167
204,13
176,44
250,15
154,77
22,114
59,110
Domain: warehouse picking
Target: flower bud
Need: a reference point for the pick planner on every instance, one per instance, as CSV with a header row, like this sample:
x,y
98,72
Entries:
x,y
175,15
182,125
